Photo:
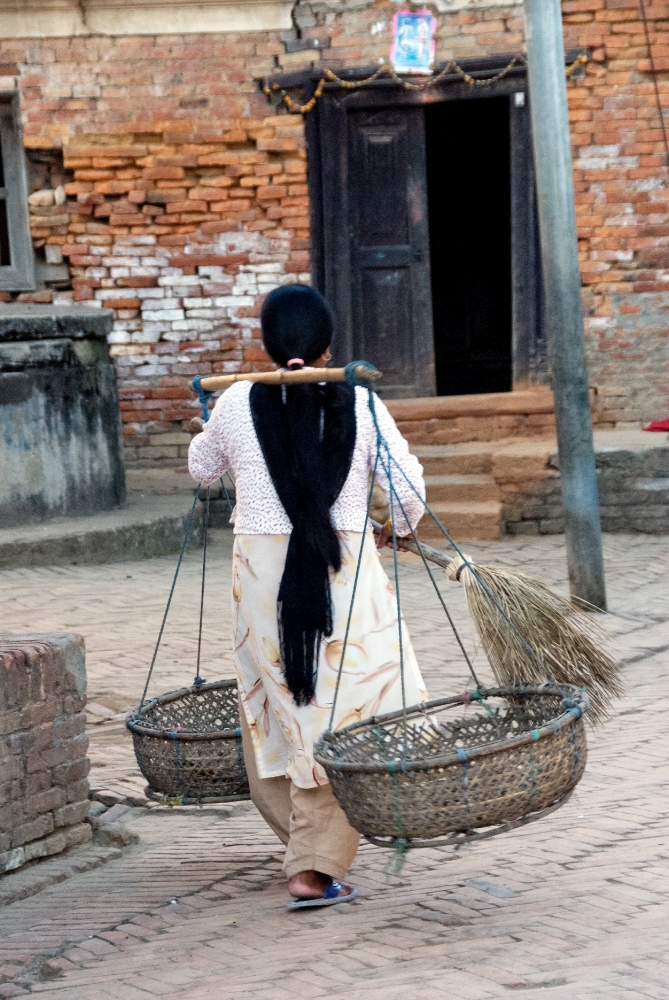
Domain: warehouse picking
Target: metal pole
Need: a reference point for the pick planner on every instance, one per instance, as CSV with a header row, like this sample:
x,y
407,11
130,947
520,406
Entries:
x,y
562,283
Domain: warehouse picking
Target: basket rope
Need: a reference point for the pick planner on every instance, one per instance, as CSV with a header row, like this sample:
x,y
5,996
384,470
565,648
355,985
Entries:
x,y
389,473
198,680
466,564
189,525
353,592
386,461
387,465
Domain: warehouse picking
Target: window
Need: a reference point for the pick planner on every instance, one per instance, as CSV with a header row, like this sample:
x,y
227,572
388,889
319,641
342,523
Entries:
x,y
16,252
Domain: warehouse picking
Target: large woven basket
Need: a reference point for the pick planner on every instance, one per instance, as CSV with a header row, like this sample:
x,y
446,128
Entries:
x,y
188,744
514,752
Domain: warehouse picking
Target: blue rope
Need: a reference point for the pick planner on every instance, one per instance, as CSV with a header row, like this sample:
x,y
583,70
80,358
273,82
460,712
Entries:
x,y
240,752
353,377
464,760
577,755
203,395
395,496
355,587
226,494
533,770
199,681
187,532
454,545
397,596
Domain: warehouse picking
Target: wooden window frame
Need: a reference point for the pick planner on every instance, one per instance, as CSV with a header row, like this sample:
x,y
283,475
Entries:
x,y
19,276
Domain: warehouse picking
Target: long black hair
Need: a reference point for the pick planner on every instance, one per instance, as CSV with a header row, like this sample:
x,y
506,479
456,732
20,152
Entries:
x,y
307,436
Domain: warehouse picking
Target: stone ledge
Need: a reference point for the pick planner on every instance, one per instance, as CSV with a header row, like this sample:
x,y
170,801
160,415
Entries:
x,y
30,881
37,322
142,17
632,473
523,402
46,847
144,528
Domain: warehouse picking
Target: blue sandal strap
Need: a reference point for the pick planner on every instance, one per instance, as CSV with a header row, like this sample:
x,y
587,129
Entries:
x,y
332,890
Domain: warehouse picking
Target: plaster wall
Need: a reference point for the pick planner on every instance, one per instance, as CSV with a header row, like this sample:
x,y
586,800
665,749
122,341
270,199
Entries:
x,y
60,442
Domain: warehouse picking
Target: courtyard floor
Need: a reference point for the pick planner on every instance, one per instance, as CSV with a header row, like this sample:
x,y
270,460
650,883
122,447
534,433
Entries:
x,y
574,905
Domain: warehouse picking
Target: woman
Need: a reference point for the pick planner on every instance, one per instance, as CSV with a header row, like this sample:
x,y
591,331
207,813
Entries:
x,y
301,457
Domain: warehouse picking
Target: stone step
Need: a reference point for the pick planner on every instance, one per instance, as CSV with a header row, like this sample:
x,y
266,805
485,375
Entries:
x,y
461,489
464,521
484,417
449,459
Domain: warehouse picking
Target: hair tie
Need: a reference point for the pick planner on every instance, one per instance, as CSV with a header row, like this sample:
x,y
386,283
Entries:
x,y
295,361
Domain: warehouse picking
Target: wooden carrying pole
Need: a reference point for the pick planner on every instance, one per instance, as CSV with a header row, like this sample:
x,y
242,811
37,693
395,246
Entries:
x,y
303,375
562,284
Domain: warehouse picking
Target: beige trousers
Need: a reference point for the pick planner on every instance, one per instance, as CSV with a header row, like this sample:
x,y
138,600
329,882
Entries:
x,y
309,821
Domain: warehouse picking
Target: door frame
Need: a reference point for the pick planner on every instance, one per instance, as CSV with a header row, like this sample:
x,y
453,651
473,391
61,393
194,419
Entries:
x,y
326,136
410,370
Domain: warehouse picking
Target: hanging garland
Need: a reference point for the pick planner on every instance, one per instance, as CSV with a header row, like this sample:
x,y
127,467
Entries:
x,y
451,68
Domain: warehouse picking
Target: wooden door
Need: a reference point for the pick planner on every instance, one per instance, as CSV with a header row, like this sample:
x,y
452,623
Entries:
x,y
376,270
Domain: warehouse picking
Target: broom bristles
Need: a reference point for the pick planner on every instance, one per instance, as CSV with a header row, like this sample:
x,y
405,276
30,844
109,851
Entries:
x,y
567,641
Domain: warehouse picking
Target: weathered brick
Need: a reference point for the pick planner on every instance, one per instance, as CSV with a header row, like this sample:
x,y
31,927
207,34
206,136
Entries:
x,y
36,828
68,815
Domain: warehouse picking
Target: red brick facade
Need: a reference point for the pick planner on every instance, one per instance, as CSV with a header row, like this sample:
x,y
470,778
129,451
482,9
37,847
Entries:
x,y
188,199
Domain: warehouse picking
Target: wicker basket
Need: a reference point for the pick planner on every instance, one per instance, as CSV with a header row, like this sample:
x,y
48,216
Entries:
x,y
188,744
514,752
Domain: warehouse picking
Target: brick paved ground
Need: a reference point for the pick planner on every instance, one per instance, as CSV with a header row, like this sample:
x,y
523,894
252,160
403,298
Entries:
x,y
572,906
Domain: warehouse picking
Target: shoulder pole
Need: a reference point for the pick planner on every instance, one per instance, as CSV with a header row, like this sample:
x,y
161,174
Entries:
x,y
357,373
562,283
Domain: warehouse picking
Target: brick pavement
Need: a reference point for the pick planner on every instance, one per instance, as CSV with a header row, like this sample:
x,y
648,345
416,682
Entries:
x,y
574,905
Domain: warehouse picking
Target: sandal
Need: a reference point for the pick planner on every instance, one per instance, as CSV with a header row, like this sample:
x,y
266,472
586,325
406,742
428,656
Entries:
x,y
331,895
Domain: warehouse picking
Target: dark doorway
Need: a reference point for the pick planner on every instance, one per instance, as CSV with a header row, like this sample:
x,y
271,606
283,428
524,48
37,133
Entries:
x,y
469,199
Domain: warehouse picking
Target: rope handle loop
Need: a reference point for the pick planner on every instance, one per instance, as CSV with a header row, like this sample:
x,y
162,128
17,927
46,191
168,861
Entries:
x,y
203,395
355,374
465,562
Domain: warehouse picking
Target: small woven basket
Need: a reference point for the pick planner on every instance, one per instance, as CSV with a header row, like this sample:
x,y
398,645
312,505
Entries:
x,y
513,753
188,744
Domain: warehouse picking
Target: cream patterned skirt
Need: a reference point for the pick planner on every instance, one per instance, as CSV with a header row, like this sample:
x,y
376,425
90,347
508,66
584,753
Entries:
x,y
284,733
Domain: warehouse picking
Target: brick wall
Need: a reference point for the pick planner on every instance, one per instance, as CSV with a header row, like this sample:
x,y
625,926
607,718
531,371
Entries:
x,y
43,763
189,199
620,177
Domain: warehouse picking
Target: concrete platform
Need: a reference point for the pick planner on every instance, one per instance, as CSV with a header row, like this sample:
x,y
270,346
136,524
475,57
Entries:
x,y
145,527
151,523
478,490
488,489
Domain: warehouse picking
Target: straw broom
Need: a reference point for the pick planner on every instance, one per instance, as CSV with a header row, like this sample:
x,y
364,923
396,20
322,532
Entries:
x,y
530,633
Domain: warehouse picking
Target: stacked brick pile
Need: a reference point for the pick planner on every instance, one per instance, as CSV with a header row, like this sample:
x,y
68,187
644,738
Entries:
x,y
182,239
189,200
43,763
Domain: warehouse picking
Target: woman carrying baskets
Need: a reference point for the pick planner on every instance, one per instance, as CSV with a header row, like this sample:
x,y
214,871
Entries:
x,y
301,456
